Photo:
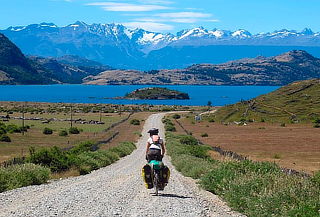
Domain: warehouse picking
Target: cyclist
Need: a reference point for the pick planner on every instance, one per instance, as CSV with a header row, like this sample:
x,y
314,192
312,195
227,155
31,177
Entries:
x,y
155,146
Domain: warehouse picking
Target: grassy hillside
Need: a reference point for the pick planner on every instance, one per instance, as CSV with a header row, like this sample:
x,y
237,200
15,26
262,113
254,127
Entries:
x,y
296,102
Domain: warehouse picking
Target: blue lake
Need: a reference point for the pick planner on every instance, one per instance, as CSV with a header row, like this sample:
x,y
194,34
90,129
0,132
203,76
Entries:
x,y
200,95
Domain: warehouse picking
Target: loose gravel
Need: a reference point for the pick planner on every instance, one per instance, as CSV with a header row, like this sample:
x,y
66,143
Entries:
x,y
116,190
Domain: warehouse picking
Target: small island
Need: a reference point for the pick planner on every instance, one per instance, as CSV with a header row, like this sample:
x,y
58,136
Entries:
x,y
156,93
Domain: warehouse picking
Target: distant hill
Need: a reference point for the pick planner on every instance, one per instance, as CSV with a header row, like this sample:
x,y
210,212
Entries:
x,y
279,70
75,60
296,102
67,69
125,48
15,68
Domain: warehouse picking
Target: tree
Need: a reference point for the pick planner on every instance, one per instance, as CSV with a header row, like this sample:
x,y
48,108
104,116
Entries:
x,y
209,103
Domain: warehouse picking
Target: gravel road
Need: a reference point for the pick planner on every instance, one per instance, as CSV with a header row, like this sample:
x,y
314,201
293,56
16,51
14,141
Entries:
x,y
116,190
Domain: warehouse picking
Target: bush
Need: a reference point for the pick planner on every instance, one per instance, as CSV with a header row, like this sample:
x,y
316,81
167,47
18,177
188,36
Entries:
x,y
47,131
63,133
5,138
123,149
12,128
170,128
188,140
3,130
53,158
282,125
88,161
204,135
176,116
316,178
135,122
84,147
211,120
316,126
74,130
17,176
316,121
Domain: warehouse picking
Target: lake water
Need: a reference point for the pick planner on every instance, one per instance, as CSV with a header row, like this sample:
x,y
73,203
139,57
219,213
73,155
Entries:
x,y
199,95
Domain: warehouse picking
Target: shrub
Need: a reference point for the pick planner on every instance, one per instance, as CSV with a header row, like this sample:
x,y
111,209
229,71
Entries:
x,y
88,161
47,131
135,122
282,125
188,140
211,120
123,149
84,147
316,178
12,128
316,126
5,138
63,133
277,156
204,135
170,127
316,121
176,116
3,130
74,130
17,176
53,158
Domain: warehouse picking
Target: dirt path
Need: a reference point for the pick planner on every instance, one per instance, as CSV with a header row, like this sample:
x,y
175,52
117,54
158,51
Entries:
x,y
116,190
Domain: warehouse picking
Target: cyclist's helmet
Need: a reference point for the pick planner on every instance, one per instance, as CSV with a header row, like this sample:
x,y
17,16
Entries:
x,y
153,131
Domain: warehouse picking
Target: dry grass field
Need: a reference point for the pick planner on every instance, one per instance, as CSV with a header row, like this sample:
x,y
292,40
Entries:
x,y
20,143
295,146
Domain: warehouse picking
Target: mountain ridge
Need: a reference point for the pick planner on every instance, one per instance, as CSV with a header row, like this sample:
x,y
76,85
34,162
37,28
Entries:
x,y
121,47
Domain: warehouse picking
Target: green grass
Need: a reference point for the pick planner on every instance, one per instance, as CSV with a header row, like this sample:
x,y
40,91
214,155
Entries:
x,y
17,176
296,102
252,188
88,161
39,165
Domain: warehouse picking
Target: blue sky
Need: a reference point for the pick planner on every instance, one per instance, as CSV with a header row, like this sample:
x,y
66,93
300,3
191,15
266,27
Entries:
x,y
167,15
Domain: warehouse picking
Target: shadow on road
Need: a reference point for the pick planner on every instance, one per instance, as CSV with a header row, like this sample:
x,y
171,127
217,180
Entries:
x,y
172,195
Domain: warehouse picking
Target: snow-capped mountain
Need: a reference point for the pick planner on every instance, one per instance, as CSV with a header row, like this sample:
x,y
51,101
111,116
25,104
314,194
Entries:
x,y
121,47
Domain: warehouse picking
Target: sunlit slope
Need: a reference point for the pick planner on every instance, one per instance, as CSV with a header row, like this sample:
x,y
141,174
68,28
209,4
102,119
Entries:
x,y
296,102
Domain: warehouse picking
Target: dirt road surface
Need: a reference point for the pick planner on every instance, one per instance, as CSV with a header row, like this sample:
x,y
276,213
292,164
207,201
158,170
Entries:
x,y
116,190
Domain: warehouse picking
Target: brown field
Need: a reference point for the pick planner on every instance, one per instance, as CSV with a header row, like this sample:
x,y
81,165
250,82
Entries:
x,y
296,146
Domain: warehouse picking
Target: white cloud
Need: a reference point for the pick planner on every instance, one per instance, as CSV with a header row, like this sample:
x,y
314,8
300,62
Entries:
x,y
184,15
151,26
113,6
180,17
177,20
162,2
213,20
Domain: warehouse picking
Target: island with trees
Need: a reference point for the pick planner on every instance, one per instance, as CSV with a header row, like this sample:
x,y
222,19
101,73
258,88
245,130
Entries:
x,y
156,93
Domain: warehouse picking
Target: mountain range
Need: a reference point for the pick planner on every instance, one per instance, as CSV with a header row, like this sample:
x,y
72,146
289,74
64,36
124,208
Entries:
x,y
124,48
16,68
